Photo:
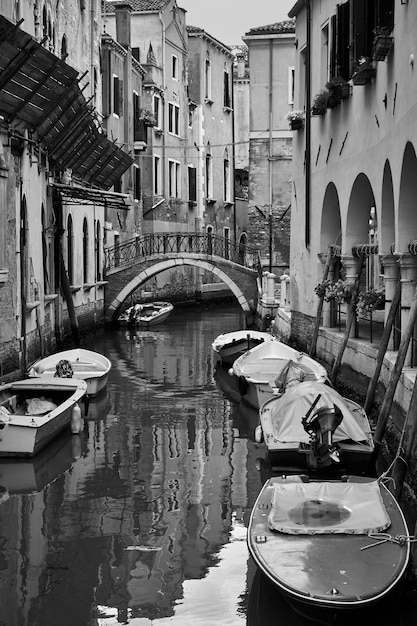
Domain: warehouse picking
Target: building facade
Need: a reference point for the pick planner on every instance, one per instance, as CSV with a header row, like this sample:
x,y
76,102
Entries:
x,y
271,63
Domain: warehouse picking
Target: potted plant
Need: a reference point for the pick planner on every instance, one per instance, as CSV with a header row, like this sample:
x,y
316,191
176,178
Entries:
x,y
319,105
147,117
364,71
296,119
339,89
383,41
369,301
337,291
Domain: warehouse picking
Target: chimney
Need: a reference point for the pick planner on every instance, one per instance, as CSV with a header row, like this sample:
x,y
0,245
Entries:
x,y
123,17
240,65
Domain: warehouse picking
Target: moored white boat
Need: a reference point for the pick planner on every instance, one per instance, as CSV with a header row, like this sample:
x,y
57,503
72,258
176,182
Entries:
x,y
146,314
337,544
35,410
229,346
271,367
312,427
87,365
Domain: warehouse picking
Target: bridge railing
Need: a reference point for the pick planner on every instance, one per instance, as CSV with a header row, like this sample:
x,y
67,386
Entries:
x,y
178,243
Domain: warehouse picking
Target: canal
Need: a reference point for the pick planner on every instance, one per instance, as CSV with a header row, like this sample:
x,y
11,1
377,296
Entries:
x,y
142,518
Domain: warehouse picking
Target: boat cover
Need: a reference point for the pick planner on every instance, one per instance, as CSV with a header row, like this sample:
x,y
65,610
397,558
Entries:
x,y
328,508
288,410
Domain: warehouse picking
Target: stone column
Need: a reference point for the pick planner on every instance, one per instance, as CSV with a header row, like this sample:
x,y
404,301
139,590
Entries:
x,y
270,288
284,284
391,274
327,306
408,269
351,265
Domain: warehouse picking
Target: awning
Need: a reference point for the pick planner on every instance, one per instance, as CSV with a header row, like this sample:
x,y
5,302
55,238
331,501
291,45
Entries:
x,y
83,195
40,92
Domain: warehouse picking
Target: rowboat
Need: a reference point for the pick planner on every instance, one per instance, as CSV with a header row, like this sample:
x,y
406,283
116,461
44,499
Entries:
x,y
87,365
35,410
272,367
146,315
312,427
229,346
334,544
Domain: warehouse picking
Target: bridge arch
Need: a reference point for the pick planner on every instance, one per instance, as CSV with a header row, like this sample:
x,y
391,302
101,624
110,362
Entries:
x,y
161,266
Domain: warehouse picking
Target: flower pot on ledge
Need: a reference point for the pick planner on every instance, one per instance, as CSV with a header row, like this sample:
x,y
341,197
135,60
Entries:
x,y
382,47
297,124
364,73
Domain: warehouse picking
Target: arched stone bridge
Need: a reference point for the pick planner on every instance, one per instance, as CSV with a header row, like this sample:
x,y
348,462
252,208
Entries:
x,y
133,262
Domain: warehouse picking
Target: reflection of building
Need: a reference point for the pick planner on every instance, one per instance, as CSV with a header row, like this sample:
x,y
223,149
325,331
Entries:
x,y
271,72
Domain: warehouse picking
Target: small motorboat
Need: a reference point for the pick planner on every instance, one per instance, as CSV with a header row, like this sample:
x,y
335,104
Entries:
x,y
87,365
312,427
337,544
272,367
35,410
229,346
146,315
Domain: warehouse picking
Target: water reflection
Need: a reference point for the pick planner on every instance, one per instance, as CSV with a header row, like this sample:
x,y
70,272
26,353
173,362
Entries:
x,y
143,516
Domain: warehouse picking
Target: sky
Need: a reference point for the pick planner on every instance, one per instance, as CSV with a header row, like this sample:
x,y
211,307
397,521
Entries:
x,y
229,20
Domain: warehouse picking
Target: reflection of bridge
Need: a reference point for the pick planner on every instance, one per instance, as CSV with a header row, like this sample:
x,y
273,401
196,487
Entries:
x,y
133,262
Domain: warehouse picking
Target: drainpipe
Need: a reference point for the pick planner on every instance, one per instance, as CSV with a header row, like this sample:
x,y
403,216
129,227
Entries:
x,y
308,127
270,153
23,279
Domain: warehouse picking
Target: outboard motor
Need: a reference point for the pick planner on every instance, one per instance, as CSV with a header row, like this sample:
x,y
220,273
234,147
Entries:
x,y
321,426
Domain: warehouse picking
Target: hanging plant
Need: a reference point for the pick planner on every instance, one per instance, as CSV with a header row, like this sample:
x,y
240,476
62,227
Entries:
x,y
369,301
296,119
337,291
320,103
147,117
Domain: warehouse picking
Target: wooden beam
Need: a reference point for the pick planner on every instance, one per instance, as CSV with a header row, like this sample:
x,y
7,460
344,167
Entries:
x,y
320,304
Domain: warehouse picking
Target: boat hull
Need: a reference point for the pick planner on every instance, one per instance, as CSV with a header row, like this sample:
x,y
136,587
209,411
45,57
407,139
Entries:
x,y
87,365
258,370
334,571
24,435
230,346
146,315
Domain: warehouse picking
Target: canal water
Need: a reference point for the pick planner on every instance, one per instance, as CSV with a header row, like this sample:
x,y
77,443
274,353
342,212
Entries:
x,y
141,519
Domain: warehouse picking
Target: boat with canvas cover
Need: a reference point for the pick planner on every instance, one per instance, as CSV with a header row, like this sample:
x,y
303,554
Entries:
x,y
272,367
229,346
336,544
36,410
87,365
312,427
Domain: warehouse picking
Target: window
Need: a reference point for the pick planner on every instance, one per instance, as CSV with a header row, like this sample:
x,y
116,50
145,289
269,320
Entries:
x,y
173,118
117,96
226,97
192,184
97,251
136,54
207,79
226,235
85,251
156,111
291,85
136,115
64,47
137,182
174,179
174,67
226,178
157,175
209,175
70,251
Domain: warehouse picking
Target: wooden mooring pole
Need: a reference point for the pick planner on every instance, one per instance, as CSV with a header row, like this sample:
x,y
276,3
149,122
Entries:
x,y
320,304
394,378
370,392
349,321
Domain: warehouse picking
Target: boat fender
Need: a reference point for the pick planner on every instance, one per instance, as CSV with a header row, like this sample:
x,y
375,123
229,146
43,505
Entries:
x,y
76,420
230,371
259,434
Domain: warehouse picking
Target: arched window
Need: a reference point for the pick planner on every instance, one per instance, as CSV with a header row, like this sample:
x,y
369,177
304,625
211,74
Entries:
x,y
98,251
207,78
209,173
85,251
70,251
209,239
226,177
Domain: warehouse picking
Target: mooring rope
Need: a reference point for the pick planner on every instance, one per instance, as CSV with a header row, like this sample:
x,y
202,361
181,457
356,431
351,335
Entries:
x,y
381,538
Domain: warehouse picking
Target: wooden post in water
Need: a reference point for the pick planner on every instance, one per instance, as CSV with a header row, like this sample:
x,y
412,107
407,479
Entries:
x,y
370,392
405,448
320,304
349,320
394,378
